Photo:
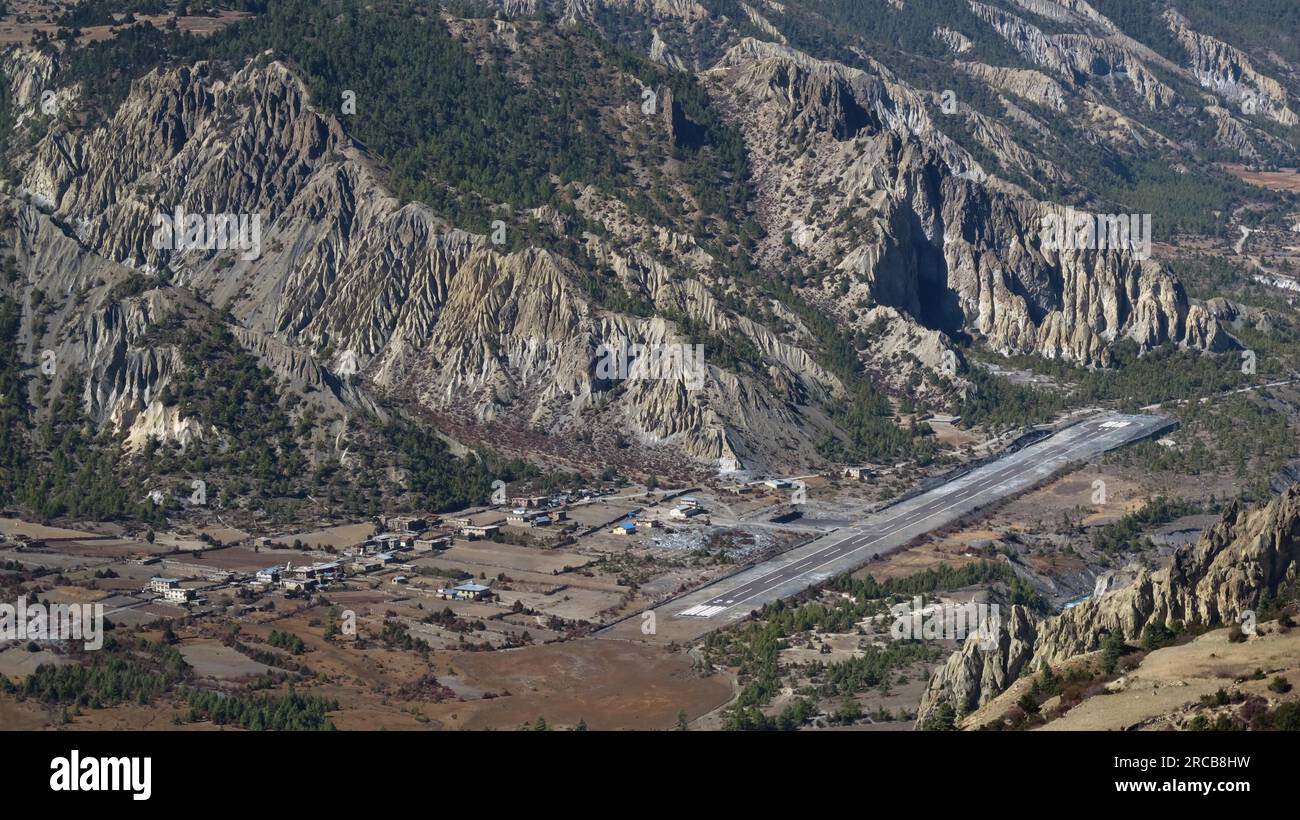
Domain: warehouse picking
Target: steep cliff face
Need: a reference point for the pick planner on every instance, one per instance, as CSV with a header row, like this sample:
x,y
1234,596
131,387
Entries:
x,y
1248,555
854,170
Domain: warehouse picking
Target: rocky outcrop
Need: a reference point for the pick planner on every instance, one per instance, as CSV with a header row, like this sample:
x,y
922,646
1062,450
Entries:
x,y
763,24
957,42
1230,74
685,10
29,74
1249,554
1079,58
569,12
1067,11
660,53
976,672
88,333
852,168
1034,86
998,140
1246,555
903,352
820,96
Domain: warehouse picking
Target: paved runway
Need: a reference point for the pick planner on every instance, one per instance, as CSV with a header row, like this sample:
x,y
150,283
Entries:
x,y
846,550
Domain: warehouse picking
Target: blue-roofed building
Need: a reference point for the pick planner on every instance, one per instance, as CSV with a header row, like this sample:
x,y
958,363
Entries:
x,y
468,591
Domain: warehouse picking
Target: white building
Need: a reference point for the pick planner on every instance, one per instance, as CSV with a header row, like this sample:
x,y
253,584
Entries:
x,y
268,575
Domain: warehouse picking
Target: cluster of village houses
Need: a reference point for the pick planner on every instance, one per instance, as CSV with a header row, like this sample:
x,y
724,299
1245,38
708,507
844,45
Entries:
x,y
375,554
404,534
686,509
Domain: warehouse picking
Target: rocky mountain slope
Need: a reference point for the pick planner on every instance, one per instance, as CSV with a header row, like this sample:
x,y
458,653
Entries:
x,y
1246,559
870,222
355,280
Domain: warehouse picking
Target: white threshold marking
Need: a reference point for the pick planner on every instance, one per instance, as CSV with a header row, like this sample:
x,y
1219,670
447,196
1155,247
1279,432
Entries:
x,y
702,611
